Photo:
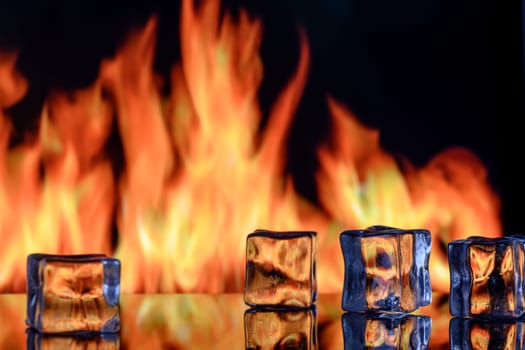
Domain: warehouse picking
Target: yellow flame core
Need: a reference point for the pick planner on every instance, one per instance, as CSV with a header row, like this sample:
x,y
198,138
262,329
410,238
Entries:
x,y
199,175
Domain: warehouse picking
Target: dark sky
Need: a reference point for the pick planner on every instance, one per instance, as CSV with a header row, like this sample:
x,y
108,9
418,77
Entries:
x,y
428,74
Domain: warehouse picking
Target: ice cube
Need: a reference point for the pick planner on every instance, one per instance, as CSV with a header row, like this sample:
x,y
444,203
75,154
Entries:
x,y
486,334
385,331
386,269
486,276
98,341
280,329
70,293
280,269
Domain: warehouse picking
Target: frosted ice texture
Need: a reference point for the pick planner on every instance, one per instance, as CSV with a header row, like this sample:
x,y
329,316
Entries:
x,y
280,269
73,293
486,334
279,329
386,269
486,276
386,331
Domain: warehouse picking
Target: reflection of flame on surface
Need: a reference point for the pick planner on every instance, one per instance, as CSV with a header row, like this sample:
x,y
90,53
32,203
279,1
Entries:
x,y
178,321
280,329
479,338
502,334
377,335
198,175
206,321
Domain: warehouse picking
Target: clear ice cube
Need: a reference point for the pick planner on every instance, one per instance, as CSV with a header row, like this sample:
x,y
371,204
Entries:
x,y
280,269
486,334
385,331
99,341
486,276
280,329
386,269
72,293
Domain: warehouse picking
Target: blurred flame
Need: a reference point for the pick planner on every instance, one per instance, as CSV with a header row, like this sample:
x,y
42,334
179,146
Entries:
x,y
361,185
199,175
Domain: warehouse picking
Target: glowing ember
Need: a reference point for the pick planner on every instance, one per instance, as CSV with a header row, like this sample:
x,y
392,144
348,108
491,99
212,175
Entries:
x,y
199,175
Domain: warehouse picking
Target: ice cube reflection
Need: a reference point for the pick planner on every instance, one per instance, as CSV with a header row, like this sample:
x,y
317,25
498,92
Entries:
x,y
280,329
91,341
203,321
484,334
386,331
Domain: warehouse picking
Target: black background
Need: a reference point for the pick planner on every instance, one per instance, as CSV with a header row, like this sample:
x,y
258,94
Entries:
x,y
427,74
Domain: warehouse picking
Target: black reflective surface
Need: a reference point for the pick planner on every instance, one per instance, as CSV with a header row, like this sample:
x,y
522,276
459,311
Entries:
x,y
199,321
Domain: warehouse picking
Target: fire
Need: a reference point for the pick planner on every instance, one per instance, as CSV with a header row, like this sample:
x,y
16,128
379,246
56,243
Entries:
x,y
198,173
360,185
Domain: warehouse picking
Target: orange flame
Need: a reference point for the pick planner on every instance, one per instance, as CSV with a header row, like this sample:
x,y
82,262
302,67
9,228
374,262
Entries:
x,y
360,185
199,175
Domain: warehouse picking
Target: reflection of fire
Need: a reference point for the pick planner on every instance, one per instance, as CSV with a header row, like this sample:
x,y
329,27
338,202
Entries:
x,y
199,176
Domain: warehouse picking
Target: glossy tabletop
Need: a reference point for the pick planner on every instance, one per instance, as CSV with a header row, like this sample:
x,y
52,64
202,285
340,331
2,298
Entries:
x,y
200,321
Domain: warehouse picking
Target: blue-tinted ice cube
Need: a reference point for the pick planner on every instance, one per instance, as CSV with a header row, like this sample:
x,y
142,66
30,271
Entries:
x,y
72,293
486,276
280,269
385,331
478,333
386,269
